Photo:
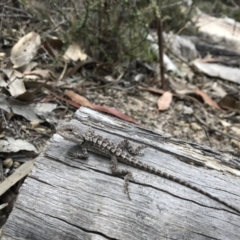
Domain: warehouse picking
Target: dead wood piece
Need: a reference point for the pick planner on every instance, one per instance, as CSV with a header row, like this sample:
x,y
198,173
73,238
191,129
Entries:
x,y
65,198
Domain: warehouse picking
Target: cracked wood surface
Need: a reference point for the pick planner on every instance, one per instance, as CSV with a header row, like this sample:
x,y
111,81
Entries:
x,y
80,199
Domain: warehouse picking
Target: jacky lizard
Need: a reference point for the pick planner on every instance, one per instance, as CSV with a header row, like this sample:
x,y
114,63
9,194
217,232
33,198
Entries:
x,y
96,143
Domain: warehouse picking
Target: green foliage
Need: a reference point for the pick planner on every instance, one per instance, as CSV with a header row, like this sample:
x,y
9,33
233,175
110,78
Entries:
x,y
108,30
221,8
111,31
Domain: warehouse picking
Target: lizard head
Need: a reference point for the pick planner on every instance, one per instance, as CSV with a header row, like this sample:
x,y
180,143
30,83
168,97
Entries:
x,y
71,133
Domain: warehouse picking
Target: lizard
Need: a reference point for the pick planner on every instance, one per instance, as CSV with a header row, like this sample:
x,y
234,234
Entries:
x,y
90,141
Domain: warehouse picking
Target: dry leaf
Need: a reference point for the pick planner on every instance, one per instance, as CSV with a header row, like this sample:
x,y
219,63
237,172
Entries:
x,y
218,71
14,84
207,99
30,66
39,73
225,124
151,89
18,174
53,46
74,53
164,101
25,49
2,55
230,103
78,99
114,112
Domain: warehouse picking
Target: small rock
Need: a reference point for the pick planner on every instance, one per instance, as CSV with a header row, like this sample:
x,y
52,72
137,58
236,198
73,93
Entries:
x,y
195,126
187,110
179,107
236,130
225,123
235,143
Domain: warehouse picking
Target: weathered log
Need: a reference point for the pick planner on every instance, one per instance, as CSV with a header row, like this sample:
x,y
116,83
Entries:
x,y
66,198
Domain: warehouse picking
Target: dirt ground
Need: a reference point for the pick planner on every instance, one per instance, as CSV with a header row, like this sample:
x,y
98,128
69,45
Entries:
x,y
185,118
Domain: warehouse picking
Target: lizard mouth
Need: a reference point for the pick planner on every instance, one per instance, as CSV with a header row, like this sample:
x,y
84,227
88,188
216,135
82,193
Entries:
x,y
66,128
71,132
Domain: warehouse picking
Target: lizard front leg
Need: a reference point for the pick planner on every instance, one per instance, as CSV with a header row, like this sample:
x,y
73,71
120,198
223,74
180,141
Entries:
x,y
127,144
117,171
82,154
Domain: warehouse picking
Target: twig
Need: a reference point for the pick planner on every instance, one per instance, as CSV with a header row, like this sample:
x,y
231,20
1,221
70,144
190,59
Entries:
x,y
160,49
216,130
3,4
18,10
111,83
63,72
205,130
15,16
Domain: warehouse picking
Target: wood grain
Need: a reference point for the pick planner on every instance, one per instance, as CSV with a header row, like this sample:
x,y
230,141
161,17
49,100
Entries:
x,y
67,198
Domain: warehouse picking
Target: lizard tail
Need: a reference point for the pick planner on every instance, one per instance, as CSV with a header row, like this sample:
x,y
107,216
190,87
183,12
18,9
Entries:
x,y
184,183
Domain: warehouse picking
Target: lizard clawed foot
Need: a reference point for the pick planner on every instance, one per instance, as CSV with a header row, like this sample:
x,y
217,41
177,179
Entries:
x,y
134,151
76,154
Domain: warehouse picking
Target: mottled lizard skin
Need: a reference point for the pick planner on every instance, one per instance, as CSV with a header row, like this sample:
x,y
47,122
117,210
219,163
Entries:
x,y
96,143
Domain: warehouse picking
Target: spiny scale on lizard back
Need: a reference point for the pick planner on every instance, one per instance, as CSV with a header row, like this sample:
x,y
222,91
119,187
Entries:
x,y
123,156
